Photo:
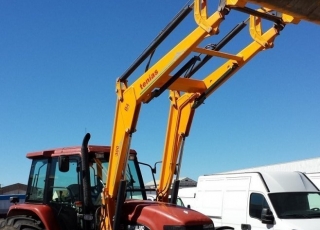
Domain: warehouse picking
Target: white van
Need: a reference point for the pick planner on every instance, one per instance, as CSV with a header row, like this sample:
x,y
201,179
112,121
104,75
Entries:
x,y
261,200
188,196
315,178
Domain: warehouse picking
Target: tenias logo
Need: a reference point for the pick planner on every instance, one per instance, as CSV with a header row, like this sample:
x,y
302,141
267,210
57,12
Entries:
x,y
149,79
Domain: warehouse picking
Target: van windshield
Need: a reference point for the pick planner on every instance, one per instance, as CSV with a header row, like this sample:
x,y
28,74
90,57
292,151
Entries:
x,y
296,205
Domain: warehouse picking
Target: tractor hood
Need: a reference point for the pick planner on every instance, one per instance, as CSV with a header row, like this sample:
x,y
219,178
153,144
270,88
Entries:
x,y
145,212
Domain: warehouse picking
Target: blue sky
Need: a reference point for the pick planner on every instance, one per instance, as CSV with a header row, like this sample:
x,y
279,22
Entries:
x,y
60,59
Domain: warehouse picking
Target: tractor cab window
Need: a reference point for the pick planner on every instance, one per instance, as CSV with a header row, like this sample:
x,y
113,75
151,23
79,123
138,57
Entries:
x,y
65,186
134,187
37,180
98,174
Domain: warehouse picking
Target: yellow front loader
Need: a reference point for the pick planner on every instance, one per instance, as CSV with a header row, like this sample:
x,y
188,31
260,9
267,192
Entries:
x,y
174,71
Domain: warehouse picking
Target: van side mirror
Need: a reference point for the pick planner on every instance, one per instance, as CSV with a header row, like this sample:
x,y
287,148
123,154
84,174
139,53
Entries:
x,y
63,163
267,216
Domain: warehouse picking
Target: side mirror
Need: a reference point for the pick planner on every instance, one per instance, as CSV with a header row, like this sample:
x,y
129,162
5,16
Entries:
x,y
14,199
63,163
267,216
154,169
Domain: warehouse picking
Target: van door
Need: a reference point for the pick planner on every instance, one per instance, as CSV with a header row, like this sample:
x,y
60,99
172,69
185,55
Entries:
x,y
209,197
235,201
257,203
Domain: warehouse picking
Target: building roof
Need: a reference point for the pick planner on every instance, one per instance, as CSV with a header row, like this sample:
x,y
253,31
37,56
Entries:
x,y
14,188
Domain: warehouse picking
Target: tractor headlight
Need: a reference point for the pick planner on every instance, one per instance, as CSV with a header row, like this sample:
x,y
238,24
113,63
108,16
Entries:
x,y
208,226
190,227
137,227
169,227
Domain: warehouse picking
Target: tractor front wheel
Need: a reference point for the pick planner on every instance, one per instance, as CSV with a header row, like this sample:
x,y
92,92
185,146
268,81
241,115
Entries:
x,y
20,223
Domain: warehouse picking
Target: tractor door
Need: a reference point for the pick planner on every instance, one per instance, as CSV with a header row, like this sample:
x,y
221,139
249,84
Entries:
x,y
65,193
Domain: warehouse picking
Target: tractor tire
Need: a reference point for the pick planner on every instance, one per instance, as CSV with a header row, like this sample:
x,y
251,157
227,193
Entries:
x,y
20,223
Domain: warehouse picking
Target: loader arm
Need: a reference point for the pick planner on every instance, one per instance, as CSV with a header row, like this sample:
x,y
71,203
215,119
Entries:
x,y
159,78
182,107
130,97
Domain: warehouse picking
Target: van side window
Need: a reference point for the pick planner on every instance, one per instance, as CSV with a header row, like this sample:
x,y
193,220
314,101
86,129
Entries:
x,y
257,203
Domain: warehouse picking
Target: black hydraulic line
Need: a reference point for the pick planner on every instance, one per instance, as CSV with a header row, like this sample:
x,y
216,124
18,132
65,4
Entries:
x,y
266,16
231,34
120,201
184,68
149,61
219,46
174,192
86,178
176,184
97,219
157,41
199,101
180,156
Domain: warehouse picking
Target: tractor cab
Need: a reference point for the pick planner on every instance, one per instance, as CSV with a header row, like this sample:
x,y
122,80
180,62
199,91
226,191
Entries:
x,y
57,180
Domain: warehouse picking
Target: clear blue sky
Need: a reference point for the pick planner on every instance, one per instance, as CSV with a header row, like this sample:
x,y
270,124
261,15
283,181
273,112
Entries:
x,y
60,59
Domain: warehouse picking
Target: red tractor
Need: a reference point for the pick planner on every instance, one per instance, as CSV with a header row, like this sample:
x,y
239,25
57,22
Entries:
x,y
64,192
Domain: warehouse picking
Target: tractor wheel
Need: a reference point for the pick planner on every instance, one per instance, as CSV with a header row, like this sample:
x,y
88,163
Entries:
x,y
21,223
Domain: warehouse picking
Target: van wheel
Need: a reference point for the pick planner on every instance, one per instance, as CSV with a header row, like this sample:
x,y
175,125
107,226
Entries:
x,y
20,223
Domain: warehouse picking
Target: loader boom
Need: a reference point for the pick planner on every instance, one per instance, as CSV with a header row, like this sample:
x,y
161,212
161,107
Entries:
x,y
186,93
129,99
182,108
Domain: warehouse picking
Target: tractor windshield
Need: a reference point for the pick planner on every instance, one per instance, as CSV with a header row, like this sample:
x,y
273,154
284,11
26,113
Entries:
x,y
98,174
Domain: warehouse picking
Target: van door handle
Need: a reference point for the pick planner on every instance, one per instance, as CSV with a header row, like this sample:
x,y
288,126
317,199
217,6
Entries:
x,y
245,227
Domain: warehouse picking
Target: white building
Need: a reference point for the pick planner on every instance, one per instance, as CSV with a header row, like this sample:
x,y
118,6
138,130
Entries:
x,y
311,165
